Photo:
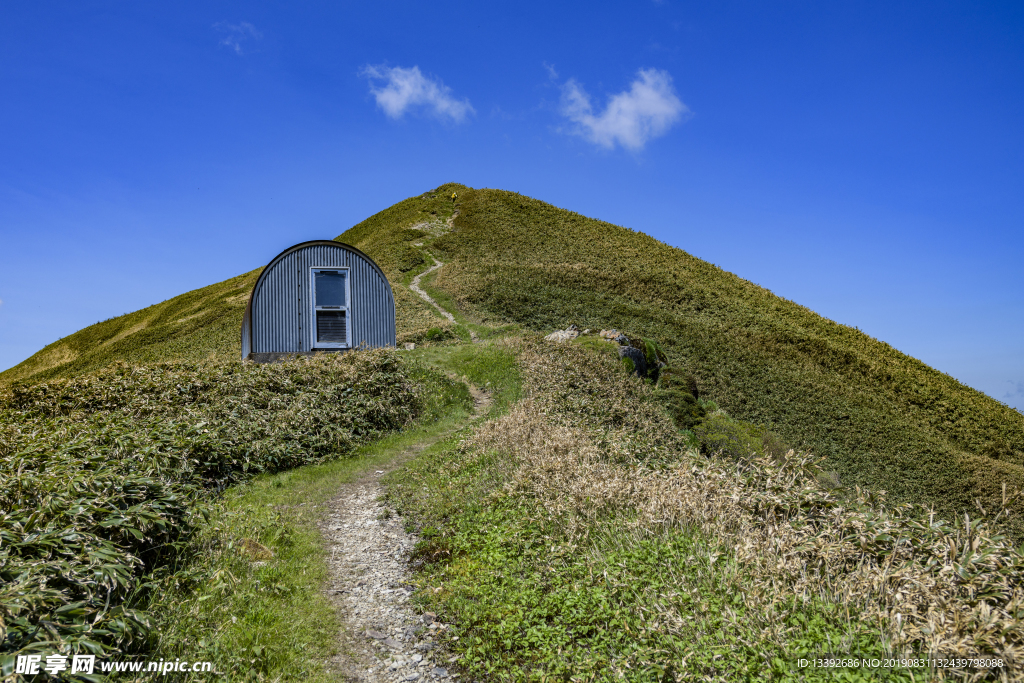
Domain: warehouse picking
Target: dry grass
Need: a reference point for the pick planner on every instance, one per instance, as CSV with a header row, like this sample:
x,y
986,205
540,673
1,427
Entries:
x,y
925,584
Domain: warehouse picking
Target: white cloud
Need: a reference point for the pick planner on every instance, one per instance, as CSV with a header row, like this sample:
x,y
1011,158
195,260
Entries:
x,y
1,302
236,34
647,110
404,89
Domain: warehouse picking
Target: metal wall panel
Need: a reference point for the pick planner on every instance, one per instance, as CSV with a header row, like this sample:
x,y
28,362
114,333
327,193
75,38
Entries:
x,y
278,318
246,346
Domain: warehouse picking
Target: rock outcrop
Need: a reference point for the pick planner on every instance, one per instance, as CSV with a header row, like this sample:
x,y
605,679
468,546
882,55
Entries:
x,y
568,333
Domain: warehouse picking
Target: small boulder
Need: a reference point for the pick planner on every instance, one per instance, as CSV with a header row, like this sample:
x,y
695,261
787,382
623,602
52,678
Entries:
x,y
568,333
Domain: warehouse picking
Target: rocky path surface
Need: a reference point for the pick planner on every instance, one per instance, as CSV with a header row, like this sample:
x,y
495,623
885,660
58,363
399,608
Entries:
x,y
384,639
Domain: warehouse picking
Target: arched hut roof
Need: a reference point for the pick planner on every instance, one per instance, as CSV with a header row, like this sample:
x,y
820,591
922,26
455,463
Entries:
x,y
247,327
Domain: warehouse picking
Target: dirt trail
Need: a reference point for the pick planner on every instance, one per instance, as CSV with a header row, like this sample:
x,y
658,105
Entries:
x,y
383,638
415,286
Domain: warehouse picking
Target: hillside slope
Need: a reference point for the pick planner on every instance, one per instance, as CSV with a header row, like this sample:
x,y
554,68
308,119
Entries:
x,y
881,418
197,325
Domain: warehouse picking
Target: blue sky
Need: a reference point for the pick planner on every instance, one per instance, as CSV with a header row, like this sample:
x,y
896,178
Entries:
x,y
863,159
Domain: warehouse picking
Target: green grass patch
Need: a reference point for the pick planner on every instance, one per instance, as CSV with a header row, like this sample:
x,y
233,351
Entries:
x,y
263,615
489,366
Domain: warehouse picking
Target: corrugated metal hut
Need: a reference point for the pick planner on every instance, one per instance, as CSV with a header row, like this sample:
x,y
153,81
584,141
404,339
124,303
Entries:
x,y
318,296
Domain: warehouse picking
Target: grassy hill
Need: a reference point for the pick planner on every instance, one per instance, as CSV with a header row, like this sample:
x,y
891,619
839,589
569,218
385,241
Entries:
x,y
882,419
194,326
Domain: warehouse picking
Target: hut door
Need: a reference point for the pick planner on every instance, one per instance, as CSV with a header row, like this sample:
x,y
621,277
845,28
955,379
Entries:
x,y
332,323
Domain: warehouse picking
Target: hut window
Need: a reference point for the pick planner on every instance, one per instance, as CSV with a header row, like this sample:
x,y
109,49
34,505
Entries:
x,y
330,308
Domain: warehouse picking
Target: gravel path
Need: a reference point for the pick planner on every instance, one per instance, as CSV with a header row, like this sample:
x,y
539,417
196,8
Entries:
x,y
384,639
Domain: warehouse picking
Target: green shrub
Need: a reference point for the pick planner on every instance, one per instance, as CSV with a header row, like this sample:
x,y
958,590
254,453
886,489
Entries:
x,y
719,434
1000,450
440,334
434,333
685,410
103,478
653,352
409,257
774,447
674,378
84,519
723,436
690,439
